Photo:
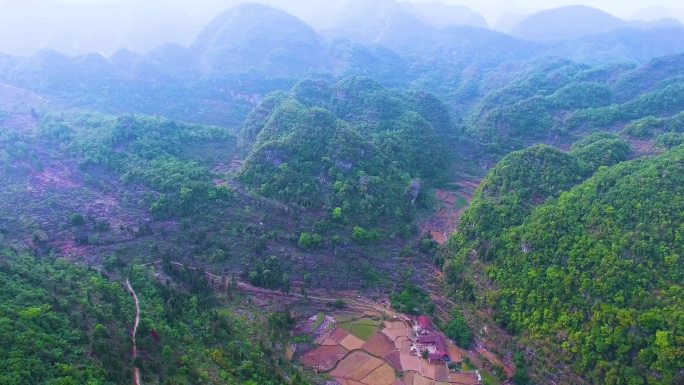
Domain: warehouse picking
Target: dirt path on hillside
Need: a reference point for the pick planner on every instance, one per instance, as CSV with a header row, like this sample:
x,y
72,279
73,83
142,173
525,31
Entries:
x,y
136,370
352,302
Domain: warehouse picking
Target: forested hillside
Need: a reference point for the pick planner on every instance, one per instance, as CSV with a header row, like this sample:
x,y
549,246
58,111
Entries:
x,y
580,271
558,101
63,324
355,146
524,189
146,150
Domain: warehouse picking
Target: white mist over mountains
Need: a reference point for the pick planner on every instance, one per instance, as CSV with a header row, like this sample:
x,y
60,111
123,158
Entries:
x,y
105,26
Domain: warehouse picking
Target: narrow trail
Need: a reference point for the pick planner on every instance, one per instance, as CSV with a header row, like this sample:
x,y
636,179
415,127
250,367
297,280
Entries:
x,y
358,302
136,370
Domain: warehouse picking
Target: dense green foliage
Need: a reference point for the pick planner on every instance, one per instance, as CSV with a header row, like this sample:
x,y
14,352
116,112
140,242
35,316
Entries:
x,y
520,181
355,145
555,100
663,102
649,126
336,169
144,150
61,324
526,178
534,104
412,300
458,330
580,272
270,273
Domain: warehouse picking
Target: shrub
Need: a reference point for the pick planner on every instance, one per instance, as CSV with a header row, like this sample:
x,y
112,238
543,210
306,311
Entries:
x,y
77,219
361,235
310,241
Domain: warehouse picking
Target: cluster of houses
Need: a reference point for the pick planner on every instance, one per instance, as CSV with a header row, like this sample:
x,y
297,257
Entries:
x,y
429,341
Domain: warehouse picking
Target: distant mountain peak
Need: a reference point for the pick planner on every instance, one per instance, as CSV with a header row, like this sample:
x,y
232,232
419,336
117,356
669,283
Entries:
x,y
566,22
258,37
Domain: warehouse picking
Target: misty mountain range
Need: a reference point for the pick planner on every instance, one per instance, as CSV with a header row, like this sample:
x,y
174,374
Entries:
x,y
250,50
111,27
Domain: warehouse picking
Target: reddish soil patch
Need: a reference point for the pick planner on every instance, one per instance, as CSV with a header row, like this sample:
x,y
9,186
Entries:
x,y
349,382
394,330
448,197
441,373
56,175
383,375
455,352
329,342
395,360
643,147
408,361
324,358
364,370
439,237
420,380
445,222
463,378
339,334
408,378
429,370
71,249
380,345
352,342
350,363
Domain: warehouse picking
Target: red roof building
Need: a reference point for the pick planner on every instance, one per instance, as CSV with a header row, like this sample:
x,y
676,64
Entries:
x,y
424,325
436,345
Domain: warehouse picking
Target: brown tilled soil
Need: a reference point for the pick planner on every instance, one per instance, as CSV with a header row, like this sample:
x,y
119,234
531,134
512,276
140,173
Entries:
x,y
394,330
339,334
441,373
383,375
463,378
324,358
408,378
364,370
350,363
394,360
352,342
455,352
380,345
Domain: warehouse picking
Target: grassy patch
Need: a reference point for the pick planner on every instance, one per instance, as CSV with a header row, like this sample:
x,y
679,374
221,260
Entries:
x,y
488,378
319,320
363,328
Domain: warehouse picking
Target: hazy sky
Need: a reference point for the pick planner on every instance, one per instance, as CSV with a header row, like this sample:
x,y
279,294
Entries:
x,y
78,26
491,9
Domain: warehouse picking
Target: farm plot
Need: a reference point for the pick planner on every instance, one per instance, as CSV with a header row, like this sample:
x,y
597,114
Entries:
x,y
324,358
362,328
408,361
380,345
362,368
352,342
394,330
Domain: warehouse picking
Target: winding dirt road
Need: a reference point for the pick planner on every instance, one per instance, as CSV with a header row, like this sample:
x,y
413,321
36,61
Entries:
x,y
136,370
